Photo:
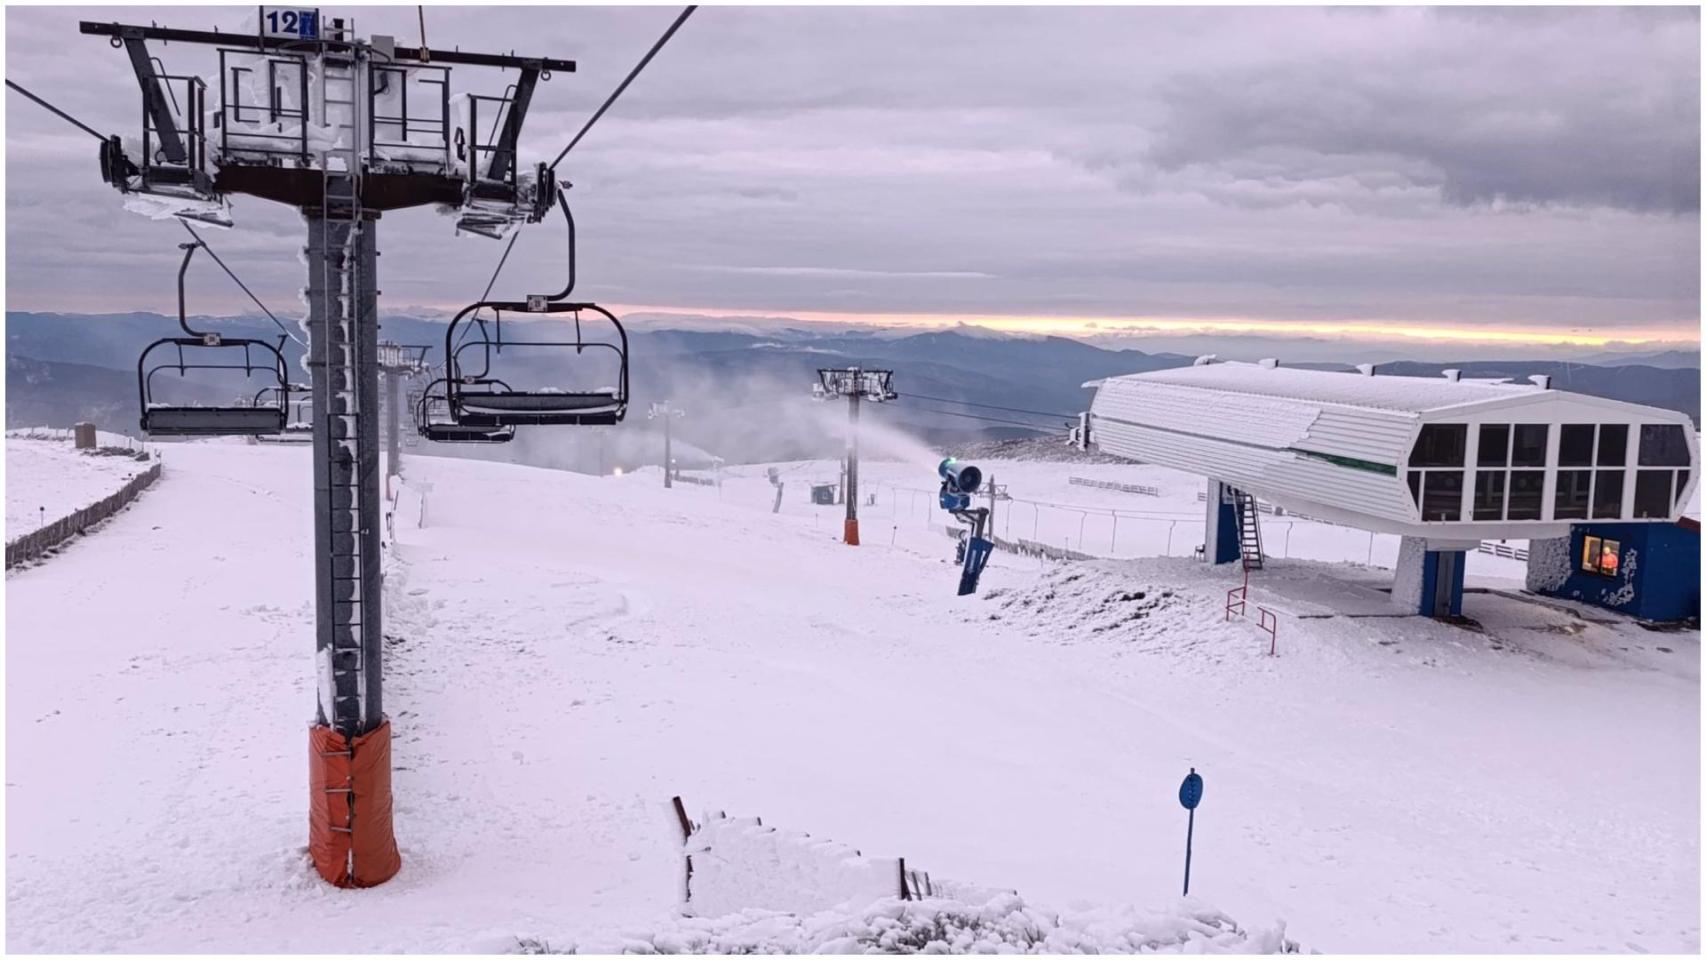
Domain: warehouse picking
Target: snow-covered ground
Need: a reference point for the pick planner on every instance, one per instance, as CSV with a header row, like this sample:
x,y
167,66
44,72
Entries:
x,y
49,478
568,652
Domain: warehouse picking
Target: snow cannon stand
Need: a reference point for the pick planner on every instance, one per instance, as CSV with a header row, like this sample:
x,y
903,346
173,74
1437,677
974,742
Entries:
x,y
350,837
959,482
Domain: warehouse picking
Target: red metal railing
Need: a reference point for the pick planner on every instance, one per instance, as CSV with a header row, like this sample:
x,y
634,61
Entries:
x,y
1238,602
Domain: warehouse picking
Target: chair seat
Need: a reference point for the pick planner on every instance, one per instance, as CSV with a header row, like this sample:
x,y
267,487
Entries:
x,y
518,402
462,433
212,421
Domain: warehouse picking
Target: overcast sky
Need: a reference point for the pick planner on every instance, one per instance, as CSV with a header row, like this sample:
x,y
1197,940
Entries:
x,y
1522,175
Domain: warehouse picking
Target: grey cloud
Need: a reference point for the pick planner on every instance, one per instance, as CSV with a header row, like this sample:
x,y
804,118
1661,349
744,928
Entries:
x,y
1475,167
1591,118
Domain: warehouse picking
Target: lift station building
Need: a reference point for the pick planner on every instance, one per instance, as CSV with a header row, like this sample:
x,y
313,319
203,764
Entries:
x,y
1444,463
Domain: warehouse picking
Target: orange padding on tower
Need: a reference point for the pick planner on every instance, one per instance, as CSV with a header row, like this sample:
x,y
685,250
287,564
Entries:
x,y
850,533
350,837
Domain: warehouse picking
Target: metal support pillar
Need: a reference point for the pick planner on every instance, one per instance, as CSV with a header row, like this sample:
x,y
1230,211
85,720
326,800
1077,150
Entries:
x,y
851,532
393,458
668,458
343,334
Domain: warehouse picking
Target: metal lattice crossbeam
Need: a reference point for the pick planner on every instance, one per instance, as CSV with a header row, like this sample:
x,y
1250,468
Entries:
x,y
855,381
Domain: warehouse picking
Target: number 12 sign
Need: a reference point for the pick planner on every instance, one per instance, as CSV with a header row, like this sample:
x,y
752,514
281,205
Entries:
x,y
292,23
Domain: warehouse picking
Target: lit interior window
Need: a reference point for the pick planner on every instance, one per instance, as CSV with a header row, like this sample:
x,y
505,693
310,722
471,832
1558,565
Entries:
x,y
1601,556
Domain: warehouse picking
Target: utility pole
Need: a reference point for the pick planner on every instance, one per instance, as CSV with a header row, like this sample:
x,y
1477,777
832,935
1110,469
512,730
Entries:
x,y
995,492
856,384
396,361
320,75
666,412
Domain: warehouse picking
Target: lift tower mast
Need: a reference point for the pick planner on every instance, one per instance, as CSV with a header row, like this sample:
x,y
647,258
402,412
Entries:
x,y
343,129
856,384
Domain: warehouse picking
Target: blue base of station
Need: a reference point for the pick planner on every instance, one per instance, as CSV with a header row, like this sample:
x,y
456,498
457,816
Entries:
x,y
1221,528
1442,583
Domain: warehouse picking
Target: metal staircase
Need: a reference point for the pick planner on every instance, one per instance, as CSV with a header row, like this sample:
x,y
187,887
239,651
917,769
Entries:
x,y
1249,531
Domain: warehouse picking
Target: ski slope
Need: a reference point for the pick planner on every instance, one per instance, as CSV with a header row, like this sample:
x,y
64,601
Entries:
x,y
49,478
567,652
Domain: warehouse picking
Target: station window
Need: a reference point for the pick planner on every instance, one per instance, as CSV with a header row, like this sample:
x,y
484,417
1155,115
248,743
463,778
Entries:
x,y
1653,493
1613,445
1662,445
1571,500
1489,502
1493,448
1527,493
1607,494
1440,445
1575,445
1528,445
1442,495
1600,556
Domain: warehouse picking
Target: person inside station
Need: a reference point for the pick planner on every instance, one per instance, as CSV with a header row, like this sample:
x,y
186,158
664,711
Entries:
x,y
1608,559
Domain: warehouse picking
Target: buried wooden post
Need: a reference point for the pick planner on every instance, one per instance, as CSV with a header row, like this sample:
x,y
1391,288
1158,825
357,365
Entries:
x,y
681,815
687,858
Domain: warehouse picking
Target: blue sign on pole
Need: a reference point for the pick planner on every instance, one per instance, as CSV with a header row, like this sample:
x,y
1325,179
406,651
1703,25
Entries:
x,y
1190,794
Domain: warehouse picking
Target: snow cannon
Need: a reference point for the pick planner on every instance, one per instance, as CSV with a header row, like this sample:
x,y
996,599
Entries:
x,y
959,482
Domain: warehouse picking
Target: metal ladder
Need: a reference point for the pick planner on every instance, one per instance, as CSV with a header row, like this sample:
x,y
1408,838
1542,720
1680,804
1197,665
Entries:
x,y
1249,531
340,93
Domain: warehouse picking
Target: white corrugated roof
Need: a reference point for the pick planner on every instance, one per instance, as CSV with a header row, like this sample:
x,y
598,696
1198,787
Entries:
x,y
1399,394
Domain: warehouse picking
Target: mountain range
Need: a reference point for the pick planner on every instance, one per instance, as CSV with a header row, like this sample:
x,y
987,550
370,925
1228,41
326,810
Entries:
x,y
956,385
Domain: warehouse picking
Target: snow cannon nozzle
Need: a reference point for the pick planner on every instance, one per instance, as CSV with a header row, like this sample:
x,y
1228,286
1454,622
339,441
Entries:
x,y
960,477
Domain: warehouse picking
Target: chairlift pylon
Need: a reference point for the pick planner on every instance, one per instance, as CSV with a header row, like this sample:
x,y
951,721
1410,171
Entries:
x,y
476,400
265,416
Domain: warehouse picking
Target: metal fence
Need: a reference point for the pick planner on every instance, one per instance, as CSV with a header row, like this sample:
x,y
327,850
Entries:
x,y
1503,550
32,546
1141,488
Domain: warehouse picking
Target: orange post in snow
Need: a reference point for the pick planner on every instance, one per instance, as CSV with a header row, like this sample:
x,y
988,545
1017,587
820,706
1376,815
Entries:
x,y
850,532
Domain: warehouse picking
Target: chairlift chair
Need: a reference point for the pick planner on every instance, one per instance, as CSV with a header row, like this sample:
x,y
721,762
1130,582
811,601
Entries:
x,y
434,422
478,400
265,416
298,407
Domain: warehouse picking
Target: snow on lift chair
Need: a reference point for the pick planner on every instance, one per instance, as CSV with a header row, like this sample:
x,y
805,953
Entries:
x,y
475,399
433,420
265,417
